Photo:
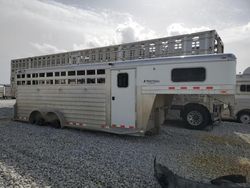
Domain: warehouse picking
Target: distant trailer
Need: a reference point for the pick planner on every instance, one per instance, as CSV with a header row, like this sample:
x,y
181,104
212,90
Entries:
x,y
1,91
5,92
241,110
126,97
206,42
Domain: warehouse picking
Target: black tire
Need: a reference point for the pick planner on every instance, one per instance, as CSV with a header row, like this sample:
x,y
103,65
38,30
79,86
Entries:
x,y
40,121
196,117
244,117
53,120
36,118
56,123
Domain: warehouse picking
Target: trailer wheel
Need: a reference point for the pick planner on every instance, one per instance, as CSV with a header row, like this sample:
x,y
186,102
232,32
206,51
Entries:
x,y
196,117
56,123
53,120
36,118
244,117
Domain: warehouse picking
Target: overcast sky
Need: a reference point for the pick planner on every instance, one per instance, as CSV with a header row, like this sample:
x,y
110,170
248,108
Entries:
x,y
37,27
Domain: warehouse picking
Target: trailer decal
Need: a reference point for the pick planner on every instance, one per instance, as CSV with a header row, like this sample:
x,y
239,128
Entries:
x,y
218,88
171,87
223,91
196,87
183,87
122,126
22,118
209,87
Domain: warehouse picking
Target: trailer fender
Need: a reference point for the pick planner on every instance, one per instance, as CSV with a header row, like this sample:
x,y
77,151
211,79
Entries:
x,y
56,118
36,117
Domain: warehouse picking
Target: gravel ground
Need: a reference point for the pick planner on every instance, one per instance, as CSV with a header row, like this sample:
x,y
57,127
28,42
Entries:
x,y
35,156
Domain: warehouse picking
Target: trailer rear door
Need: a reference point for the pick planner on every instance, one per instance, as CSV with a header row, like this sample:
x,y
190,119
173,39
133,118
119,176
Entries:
x,y
123,98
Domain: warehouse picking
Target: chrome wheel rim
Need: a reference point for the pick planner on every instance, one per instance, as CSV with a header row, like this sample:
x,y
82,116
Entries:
x,y
245,119
194,118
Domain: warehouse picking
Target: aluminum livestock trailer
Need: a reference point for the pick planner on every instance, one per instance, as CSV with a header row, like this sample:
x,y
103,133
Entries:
x,y
5,91
241,110
126,97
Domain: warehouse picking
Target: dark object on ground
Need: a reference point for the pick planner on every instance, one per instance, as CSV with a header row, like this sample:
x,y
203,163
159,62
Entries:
x,y
167,179
230,178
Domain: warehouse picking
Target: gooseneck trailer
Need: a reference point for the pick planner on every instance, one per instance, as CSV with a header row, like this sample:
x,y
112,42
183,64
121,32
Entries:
x,y
241,110
126,97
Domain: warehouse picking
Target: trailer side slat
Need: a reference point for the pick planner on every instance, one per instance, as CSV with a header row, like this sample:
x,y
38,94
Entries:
x,y
65,107
66,103
78,104
54,99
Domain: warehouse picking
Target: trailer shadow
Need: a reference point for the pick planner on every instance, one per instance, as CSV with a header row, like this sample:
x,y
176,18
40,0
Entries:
x,y
100,133
174,123
180,124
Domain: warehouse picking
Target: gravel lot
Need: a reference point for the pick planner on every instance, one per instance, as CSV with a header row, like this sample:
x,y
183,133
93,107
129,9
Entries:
x,y
35,156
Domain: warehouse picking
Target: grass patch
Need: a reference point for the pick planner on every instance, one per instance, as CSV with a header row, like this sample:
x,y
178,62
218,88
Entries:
x,y
223,140
215,165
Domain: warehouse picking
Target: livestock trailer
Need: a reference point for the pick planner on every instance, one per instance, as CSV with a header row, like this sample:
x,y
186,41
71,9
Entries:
x,y
1,91
241,110
5,91
126,97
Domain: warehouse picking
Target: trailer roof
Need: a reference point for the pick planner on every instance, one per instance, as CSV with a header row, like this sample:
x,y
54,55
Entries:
x,y
247,71
179,59
125,44
149,61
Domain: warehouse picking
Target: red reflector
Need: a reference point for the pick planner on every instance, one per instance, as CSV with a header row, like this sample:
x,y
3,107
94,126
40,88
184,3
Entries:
x,y
184,87
209,87
196,87
171,87
223,91
122,126
113,125
131,127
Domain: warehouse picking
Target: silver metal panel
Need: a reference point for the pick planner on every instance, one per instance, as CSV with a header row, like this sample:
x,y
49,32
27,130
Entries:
x,y
76,103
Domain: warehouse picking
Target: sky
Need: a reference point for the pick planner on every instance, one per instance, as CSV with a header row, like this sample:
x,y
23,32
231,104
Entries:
x,y
38,27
